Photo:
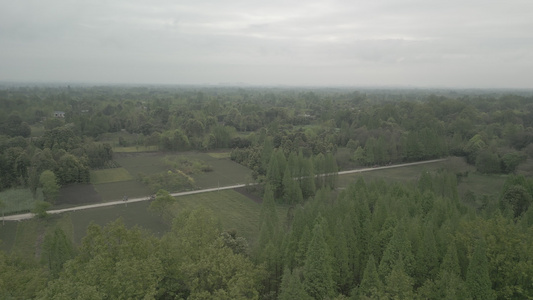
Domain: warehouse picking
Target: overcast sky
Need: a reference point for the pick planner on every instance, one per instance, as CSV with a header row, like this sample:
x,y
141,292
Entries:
x,y
416,43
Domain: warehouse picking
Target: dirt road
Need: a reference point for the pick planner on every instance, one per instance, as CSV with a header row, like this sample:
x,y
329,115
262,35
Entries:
x,y
119,202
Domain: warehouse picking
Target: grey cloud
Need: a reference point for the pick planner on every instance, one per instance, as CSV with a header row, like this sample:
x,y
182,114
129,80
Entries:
x,y
383,42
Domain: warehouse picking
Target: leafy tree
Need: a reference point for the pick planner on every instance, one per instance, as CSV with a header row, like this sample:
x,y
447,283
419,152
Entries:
x,y
488,162
517,198
40,209
197,264
49,184
162,203
113,263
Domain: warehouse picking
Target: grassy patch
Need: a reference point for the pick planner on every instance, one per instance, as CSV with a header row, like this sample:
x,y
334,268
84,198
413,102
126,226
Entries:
x,y
219,154
234,210
110,175
19,200
28,234
222,171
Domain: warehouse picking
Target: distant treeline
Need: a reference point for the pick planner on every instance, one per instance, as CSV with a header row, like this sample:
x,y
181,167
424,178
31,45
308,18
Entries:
x,y
494,130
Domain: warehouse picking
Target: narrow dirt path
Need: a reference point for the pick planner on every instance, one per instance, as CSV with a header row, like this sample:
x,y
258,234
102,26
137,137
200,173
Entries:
x,y
119,202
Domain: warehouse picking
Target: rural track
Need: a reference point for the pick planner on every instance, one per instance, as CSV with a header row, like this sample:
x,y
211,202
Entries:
x,y
26,216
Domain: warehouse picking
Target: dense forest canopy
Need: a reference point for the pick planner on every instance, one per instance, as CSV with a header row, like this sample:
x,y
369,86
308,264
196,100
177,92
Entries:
x,y
371,240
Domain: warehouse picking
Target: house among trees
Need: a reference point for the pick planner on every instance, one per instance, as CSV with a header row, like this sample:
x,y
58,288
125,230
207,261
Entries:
x,y
59,114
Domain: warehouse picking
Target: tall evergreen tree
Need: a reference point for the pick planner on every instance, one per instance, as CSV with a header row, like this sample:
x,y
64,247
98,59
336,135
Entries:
x,y
398,247
449,284
477,276
292,287
398,284
317,270
427,258
371,286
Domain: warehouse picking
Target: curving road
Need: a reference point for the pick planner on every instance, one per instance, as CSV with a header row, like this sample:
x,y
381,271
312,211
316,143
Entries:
x,y
58,211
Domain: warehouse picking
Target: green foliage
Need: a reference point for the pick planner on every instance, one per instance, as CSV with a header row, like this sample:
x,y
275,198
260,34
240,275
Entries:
x,y
40,209
161,204
50,186
57,249
113,262
317,270
196,262
292,287
371,286
477,277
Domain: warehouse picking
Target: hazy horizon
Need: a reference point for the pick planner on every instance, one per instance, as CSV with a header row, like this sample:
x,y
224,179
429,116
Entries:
x,y
397,44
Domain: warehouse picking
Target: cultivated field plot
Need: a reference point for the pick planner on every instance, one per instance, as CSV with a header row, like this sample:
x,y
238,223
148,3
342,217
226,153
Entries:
x,y
132,149
142,163
116,190
77,194
110,175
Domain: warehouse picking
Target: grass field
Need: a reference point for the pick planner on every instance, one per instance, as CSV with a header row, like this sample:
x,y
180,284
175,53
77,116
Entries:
x,y
407,174
224,171
19,200
110,175
219,154
132,149
235,210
